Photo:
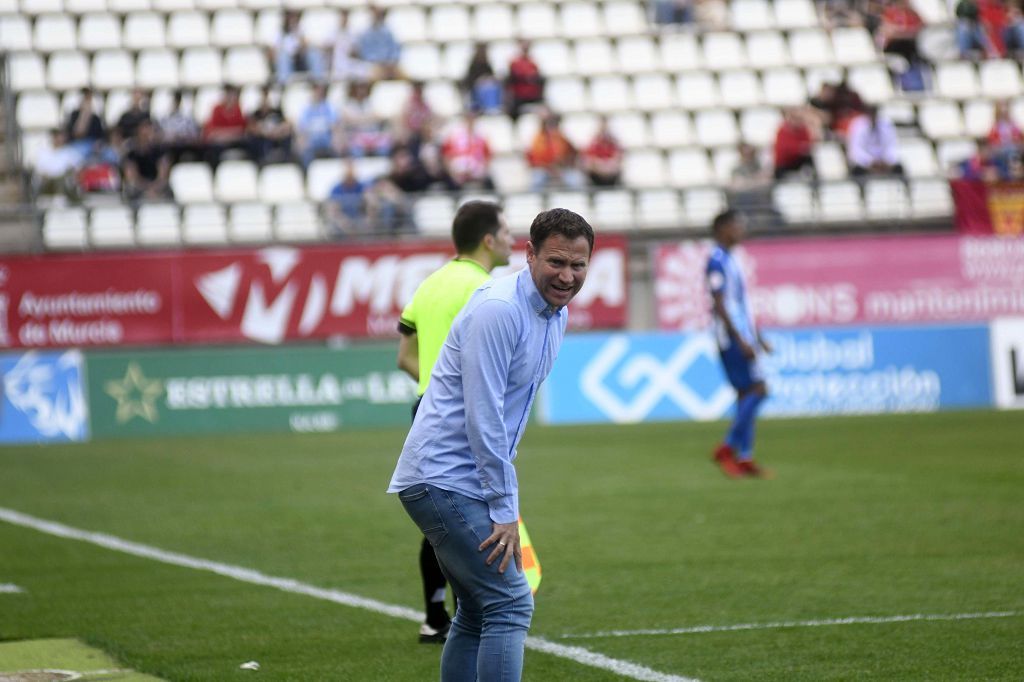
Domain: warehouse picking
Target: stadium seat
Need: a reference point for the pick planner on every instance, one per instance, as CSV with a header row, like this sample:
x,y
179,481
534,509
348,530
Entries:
x,y
520,210
900,112
536,20
723,51
624,18
840,202
784,88
369,168
408,24
630,128
421,61
231,27
930,198
791,14
565,94
580,128
493,21
578,202
38,110
188,29
689,168
443,97
1000,79
830,161
215,5
80,7
918,158
64,228
321,177
671,129
510,173
872,81
246,66
767,49
553,57
940,119
201,66
979,117
932,11
501,53
127,6
114,104
250,222
388,98
853,45
497,130
15,33
34,7
235,181
643,168
594,56
956,80
192,183
67,70
267,25
281,183
794,201
99,32
886,199
739,89
26,71
759,125
701,205
659,208
450,23
204,224
679,52
952,152
203,102
53,32
697,90
636,54
580,20
297,222
610,93
144,31
613,209
433,215
716,128
810,47
112,226
112,69
750,15
158,224
456,59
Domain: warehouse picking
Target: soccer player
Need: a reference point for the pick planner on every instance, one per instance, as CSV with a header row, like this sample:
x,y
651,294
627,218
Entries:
x,y
456,478
739,342
482,243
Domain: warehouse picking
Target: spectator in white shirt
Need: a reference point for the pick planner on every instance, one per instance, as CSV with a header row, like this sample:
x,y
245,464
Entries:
x,y
872,146
294,53
55,166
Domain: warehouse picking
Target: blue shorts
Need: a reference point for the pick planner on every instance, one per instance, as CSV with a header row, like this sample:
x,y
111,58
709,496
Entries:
x,y
742,372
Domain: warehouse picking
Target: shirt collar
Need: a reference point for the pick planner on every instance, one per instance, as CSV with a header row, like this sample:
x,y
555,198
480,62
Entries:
x,y
533,297
470,261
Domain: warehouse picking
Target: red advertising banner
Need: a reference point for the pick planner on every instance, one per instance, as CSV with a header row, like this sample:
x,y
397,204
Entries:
x,y
988,208
268,295
858,280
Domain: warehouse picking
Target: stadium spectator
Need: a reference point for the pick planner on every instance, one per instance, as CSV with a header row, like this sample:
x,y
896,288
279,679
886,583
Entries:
x,y
794,144
836,105
552,157
346,204
387,208
269,132
136,113
467,156
1013,35
463,441
750,188
316,128
363,132
839,14
971,37
226,127
378,47
524,84
994,17
84,127
740,344
672,11
481,89
602,158
1005,141
980,166
180,133
408,173
55,167
417,118
345,62
899,29
712,15
872,145
146,166
294,54
99,172
482,243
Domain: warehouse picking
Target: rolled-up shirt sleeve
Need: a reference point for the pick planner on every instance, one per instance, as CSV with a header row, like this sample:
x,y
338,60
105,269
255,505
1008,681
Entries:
x,y
488,346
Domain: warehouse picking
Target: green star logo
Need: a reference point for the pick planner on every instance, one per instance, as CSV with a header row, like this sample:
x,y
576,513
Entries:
x,y
136,395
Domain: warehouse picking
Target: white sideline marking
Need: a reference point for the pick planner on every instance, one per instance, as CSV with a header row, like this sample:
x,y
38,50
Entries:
x,y
10,588
574,653
795,624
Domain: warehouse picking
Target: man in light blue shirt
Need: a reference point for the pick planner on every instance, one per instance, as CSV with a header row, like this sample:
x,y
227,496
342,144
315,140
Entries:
x,y
456,477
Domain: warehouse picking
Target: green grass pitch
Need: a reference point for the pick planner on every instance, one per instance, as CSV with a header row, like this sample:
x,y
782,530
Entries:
x,y
867,517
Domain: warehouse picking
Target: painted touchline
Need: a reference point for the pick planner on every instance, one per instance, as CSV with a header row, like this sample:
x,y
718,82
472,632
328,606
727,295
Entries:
x,y
852,620
577,654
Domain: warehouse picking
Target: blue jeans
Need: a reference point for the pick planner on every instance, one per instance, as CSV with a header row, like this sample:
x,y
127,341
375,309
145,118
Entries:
x,y
488,633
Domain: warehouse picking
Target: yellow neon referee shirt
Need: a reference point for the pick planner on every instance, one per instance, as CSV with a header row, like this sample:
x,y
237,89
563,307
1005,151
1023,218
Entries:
x,y
434,306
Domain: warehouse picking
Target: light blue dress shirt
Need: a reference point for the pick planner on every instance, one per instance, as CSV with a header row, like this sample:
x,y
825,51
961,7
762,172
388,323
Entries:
x,y
464,438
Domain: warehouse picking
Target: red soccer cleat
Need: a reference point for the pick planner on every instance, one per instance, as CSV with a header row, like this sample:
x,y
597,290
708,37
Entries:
x,y
725,457
751,469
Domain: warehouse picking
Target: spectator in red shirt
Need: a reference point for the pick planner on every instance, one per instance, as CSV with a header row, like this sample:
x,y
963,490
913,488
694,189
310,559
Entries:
x,y
467,156
524,84
898,31
226,127
602,159
794,143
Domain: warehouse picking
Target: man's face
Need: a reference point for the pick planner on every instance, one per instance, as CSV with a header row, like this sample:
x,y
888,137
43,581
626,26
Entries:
x,y
502,242
559,267
734,232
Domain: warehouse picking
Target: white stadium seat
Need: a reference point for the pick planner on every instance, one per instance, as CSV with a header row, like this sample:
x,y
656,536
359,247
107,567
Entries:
x,y
281,183
697,90
450,23
433,215
794,201
37,110
630,128
204,224
956,80
192,183
112,69
54,32
671,129
739,89
144,30
940,119
610,93
250,222
112,226
231,27
758,125
536,20
246,65
659,208
580,20
689,168
67,70
810,47
26,71
886,199
790,14
188,29
235,181
493,21
751,15
624,18
594,56
840,202
767,49
158,224
408,24
723,51
702,204
853,45
784,87
1000,79
99,32
680,52
716,127
297,222
201,66
979,117
930,198
15,33
65,228
613,209
156,69
636,54
643,168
